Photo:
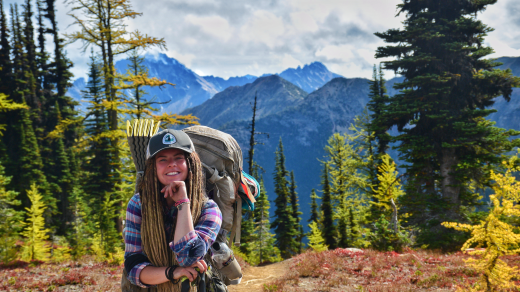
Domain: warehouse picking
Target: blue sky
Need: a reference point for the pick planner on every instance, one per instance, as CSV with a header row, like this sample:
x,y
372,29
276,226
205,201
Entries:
x,y
234,38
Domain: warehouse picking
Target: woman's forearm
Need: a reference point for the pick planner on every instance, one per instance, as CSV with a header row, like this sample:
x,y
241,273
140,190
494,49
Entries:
x,y
184,223
151,275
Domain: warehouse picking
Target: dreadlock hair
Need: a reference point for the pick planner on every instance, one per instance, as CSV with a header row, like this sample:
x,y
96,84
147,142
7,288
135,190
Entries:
x,y
154,216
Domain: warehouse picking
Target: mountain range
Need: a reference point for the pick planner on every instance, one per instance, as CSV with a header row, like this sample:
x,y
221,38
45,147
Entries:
x,y
303,107
305,125
191,90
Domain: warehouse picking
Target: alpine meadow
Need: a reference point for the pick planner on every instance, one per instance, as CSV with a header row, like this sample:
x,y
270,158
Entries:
x,y
408,180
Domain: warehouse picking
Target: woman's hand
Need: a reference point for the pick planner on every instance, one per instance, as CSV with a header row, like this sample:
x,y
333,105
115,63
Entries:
x,y
175,190
190,272
201,265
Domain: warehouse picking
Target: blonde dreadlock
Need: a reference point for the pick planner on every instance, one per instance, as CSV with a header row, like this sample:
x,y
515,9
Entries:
x,y
155,243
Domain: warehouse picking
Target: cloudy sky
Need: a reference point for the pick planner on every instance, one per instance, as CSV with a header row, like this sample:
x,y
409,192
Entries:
x,y
235,38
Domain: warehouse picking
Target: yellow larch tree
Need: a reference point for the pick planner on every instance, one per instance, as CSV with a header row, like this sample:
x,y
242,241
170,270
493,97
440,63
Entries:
x,y
495,235
35,246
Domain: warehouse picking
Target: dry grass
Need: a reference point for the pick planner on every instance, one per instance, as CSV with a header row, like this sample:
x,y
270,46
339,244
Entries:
x,y
368,270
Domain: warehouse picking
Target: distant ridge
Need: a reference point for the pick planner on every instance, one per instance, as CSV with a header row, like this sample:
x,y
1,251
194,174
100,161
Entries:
x,y
192,90
221,84
310,77
234,103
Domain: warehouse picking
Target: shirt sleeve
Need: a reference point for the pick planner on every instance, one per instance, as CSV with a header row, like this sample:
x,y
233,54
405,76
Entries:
x,y
194,245
132,235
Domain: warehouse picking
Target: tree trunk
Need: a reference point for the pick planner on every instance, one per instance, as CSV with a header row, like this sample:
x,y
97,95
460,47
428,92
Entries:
x,y
450,187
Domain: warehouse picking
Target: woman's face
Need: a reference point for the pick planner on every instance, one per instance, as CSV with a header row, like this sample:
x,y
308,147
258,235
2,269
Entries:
x,y
171,166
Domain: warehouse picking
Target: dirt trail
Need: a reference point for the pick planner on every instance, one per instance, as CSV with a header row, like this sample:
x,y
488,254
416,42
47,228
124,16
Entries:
x,y
255,277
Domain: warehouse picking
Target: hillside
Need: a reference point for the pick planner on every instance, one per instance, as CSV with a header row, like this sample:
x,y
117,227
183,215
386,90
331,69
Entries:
x,y
304,130
234,103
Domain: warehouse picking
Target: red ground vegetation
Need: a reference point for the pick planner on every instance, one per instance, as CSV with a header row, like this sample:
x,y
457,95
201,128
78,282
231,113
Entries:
x,y
346,270
86,275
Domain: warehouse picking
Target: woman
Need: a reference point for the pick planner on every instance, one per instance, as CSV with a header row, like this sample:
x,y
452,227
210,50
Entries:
x,y
170,223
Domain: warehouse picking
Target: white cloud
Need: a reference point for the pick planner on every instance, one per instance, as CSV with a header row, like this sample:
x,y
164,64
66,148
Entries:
x,y
185,59
214,25
264,27
230,38
304,21
289,61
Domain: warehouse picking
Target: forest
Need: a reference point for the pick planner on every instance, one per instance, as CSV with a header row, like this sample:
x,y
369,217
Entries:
x,y
66,176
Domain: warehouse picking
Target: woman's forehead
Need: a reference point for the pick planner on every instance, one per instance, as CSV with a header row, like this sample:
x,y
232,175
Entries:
x,y
170,152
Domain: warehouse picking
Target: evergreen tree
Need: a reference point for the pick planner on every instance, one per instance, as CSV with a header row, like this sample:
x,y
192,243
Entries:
x,y
9,220
376,105
100,180
441,109
31,166
329,229
295,206
314,208
284,222
263,247
5,54
35,247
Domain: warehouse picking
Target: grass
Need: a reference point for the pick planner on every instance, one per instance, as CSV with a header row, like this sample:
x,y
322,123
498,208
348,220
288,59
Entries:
x,y
368,270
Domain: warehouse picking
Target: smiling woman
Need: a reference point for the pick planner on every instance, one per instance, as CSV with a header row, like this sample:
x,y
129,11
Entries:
x,y
170,223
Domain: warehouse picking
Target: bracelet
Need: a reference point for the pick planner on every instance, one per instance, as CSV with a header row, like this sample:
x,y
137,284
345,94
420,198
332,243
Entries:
x,y
179,206
179,202
169,274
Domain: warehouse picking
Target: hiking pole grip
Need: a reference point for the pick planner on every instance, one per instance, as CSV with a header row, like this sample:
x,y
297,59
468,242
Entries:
x,y
185,286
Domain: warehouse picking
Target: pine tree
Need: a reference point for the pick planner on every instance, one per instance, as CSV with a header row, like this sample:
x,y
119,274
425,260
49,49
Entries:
x,y
314,208
5,54
31,166
263,247
35,247
100,180
329,228
10,219
378,100
316,241
295,213
284,222
441,109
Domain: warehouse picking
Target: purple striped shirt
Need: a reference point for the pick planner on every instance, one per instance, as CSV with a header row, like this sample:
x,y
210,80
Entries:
x,y
188,250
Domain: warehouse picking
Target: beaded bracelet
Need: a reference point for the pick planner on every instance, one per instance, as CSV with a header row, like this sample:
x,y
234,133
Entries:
x,y
179,202
179,206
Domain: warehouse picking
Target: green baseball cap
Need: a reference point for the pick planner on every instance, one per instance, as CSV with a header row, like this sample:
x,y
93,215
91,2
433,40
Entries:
x,y
169,139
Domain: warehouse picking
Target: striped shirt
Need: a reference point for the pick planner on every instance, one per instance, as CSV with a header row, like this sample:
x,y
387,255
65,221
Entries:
x,y
188,250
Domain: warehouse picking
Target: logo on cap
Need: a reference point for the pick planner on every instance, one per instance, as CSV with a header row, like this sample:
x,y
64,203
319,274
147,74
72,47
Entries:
x,y
169,139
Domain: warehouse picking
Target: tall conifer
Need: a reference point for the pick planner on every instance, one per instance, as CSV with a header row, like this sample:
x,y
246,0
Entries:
x,y
295,209
314,208
284,223
263,247
329,229
441,110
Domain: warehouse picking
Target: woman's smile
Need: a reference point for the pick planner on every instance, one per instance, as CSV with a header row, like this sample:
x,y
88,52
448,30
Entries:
x,y
171,166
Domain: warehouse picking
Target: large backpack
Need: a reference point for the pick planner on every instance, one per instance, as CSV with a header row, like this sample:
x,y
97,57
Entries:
x,y
221,157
